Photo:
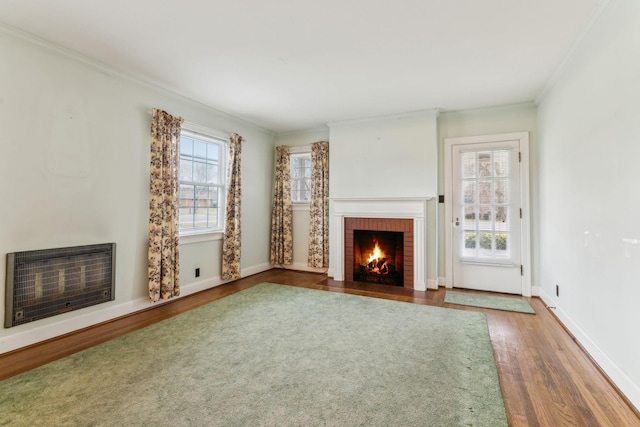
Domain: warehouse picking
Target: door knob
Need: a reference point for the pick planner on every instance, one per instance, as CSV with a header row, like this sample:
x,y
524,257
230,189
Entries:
x,y
457,222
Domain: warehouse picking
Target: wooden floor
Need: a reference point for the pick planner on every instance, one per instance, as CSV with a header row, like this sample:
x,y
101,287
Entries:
x,y
546,379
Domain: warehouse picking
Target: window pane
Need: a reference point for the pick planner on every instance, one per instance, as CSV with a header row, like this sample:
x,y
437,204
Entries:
x,y
485,218
468,165
469,192
213,174
213,152
200,149
501,162
502,245
295,190
501,191
206,197
502,218
484,191
469,218
186,170
296,170
470,240
186,207
307,168
201,201
212,217
186,195
484,164
199,172
486,243
306,191
469,246
212,212
186,146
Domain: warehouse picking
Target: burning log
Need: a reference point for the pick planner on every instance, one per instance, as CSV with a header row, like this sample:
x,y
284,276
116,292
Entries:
x,y
379,267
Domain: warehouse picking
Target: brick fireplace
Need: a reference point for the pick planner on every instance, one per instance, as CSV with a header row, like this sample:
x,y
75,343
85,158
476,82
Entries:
x,y
399,232
406,215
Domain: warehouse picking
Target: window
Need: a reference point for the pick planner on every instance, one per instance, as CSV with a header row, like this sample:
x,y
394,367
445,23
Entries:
x,y
300,176
485,207
202,173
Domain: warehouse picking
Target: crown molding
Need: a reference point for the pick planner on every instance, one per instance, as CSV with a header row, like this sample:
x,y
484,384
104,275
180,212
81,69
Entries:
x,y
301,132
124,75
434,112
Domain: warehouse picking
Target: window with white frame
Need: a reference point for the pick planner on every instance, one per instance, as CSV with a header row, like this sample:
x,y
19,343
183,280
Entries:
x,y
300,175
202,173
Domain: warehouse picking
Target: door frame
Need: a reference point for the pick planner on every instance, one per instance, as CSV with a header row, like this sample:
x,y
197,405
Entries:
x,y
525,224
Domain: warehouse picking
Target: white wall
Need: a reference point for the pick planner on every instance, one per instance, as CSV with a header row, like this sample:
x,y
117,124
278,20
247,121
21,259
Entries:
x,y
589,191
301,218
74,167
395,156
386,157
486,121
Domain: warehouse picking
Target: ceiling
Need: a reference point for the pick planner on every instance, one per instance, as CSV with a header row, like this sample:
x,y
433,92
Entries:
x,y
289,65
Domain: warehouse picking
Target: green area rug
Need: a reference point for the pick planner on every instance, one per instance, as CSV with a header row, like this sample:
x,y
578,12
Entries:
x,y
275,355
489,301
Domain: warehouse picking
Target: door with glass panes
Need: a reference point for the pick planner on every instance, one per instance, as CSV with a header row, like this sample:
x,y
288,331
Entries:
x,y
486,217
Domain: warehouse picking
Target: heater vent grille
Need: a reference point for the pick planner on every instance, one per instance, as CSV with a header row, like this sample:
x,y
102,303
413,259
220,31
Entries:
x,y
44,283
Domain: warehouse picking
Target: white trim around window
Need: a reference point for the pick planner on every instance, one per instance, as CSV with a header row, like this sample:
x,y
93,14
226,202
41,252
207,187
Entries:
x,y
205,131
187,239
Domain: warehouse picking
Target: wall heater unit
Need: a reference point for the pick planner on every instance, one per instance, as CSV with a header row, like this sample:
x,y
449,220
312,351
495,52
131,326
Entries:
x,y
44,283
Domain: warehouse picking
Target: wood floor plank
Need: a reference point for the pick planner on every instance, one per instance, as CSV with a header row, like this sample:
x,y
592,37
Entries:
x,y
546,378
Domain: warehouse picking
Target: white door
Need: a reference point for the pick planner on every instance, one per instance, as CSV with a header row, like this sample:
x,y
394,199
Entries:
x,y
486,215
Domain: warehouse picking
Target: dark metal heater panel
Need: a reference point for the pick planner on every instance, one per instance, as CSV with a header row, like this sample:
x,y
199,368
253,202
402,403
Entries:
x,y
47,282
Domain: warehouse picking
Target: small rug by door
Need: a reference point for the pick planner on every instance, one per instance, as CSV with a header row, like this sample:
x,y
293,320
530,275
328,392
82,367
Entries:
x,y
488,301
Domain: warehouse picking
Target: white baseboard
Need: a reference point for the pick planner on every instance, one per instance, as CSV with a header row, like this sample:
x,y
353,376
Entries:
x,y
255,269
432,283
442,281
72,321
75,320
624,383
300,266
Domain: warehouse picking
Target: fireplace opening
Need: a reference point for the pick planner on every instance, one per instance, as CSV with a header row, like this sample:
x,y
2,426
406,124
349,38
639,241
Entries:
x,y
378,257
403,258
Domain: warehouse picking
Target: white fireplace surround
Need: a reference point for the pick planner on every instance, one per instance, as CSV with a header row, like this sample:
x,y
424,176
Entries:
x,y
403,208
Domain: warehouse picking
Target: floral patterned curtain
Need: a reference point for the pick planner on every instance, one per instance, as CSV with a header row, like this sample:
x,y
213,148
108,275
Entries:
x,y
282,213
319,227
232,235
164,259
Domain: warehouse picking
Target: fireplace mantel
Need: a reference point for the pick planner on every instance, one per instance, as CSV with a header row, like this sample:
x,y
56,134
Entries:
x,y
412,208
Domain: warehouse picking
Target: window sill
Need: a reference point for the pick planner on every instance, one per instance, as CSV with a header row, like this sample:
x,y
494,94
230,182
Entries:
x,y
187,239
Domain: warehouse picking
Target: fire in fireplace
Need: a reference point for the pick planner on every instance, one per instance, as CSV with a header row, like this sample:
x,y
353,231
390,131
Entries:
x,y
378,257
398,249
